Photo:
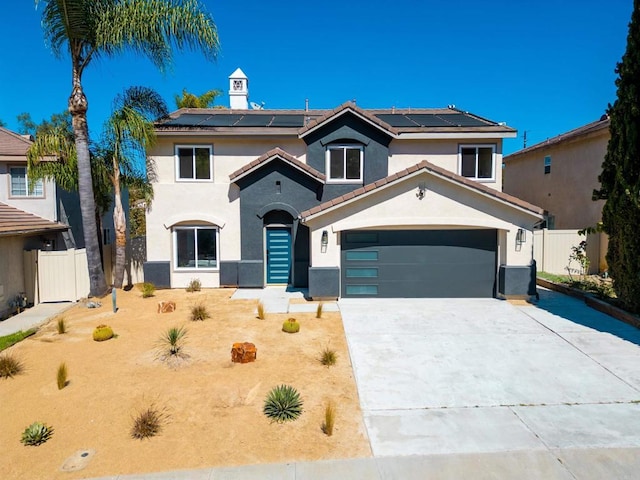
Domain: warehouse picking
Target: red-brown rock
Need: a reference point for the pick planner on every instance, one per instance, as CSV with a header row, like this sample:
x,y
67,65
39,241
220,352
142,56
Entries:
x,y
243,352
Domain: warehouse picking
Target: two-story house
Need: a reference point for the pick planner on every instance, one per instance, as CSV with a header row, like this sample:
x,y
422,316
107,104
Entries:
x,y
346,202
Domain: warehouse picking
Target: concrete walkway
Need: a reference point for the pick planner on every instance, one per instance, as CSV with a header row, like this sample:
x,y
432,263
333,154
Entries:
x,y
32,317
279,299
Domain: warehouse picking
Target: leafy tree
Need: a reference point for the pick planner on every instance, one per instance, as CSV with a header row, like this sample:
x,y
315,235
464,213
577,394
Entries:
x,y
3,123
620,177
88,29
26,125
190,100
128,134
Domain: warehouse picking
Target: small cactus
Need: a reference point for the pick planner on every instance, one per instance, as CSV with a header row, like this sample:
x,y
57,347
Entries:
x,y
102,333
291,326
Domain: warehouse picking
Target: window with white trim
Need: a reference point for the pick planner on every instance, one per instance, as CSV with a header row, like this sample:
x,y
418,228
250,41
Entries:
x,y
194,162
21,186
477,161
344,163
195,247
547,164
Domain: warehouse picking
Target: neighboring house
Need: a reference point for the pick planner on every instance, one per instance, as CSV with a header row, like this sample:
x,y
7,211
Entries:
x,y
560,175
346,202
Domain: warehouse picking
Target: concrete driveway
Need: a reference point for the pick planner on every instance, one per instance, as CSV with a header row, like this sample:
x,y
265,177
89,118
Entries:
x,y
557,380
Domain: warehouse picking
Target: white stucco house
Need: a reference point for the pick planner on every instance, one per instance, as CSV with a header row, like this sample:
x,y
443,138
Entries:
x,y
346,202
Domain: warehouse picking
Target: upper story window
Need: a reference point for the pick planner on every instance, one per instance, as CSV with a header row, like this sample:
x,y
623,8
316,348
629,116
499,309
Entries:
x,y
344,163
194,162
477,161
195,247
21,186
547,164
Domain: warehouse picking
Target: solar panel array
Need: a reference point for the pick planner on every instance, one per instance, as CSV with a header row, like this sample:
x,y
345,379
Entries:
x,y
291,120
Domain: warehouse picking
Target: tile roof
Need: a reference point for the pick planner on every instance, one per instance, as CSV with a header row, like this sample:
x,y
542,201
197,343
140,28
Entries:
x,y
282,155
429,167
592,127
14,221
12,143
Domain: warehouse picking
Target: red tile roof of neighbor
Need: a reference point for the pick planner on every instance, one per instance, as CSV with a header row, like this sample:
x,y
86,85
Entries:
x,y
602,124
427,166
12,143
282,155
14,221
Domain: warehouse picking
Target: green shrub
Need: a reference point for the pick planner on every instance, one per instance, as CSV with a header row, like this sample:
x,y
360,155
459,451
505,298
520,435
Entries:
x,y
199,312
148,422
261,311
9,366
291,326
62,376
62,326
36,434
194,285
319,310
102,333
329,419
328,357
283,404
172,341
148,289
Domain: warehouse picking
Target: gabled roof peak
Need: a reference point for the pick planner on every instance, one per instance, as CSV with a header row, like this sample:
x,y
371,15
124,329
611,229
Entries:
x,y
237,73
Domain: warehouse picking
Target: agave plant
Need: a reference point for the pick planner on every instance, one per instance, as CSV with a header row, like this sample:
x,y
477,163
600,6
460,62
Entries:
x,y
283,404
172,341
36,434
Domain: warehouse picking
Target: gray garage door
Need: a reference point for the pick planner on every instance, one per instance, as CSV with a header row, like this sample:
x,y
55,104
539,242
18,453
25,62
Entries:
x,y
419,263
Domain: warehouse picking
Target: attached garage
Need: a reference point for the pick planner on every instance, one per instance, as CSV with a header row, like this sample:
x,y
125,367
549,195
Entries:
x,y
419,263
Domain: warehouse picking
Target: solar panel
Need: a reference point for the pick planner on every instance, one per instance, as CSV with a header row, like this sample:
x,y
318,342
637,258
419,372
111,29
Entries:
x,y
288,120
465,120
396,120
261,120
222,120
429,119
187,119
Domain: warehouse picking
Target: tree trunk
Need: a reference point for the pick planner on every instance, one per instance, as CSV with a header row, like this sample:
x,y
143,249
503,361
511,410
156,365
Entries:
x,y
120,226
78,106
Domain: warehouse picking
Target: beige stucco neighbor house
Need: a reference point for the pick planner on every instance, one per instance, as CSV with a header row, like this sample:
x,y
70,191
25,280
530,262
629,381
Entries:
x,y
345,203
560,175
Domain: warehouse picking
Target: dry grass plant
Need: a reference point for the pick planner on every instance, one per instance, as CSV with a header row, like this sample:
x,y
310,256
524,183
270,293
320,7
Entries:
x,y
261,311
61,325
148,422
199,312
319,310
61,378
329,419
328,356
10,366
195,285
148,289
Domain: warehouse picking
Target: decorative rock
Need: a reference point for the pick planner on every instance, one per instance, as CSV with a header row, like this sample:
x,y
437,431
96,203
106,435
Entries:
x,y
166,306
243,352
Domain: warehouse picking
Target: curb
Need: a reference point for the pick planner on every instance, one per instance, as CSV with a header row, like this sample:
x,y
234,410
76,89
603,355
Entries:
x,y
592,302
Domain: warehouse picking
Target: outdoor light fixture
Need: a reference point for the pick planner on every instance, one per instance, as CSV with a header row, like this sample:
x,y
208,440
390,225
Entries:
x,y
521,237
324,241
422,188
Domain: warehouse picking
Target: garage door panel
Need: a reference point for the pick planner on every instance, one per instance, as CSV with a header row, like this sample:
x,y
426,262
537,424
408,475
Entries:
x,y
420,263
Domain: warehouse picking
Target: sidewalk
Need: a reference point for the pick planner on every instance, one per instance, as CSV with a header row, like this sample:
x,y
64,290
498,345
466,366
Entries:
x,y
32,317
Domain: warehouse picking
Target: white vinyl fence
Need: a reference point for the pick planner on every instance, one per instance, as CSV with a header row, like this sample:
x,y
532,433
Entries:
x,y
552,248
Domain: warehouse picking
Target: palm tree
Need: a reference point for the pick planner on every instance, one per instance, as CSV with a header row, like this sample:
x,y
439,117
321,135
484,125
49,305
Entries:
x,y
88,29
128,134
191,100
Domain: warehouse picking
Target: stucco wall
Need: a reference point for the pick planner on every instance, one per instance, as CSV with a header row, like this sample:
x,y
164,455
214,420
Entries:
x,y
566,191
44,207
445,205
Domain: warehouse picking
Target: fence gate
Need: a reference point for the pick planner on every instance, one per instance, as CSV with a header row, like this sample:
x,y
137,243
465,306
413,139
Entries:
x,y
62,275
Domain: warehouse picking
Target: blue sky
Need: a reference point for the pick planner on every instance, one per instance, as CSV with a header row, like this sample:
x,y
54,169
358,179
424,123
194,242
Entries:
x,y
542,66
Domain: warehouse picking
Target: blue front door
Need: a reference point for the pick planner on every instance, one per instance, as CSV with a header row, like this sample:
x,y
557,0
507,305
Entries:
x,y
278,255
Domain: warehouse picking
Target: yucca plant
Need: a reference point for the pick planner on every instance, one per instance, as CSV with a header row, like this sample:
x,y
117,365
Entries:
x,y
9,366
261,311
328,357
319,310
172,341
148,289
329,419
283,404
148,422
194,285
36,434
62,376
199,312
62,326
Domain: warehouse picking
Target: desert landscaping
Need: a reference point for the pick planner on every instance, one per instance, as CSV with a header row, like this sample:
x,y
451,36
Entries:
x,y
211,409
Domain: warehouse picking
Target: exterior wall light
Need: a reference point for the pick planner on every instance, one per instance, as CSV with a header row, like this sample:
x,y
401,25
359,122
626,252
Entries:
x,y
422,188
521,237
324,241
